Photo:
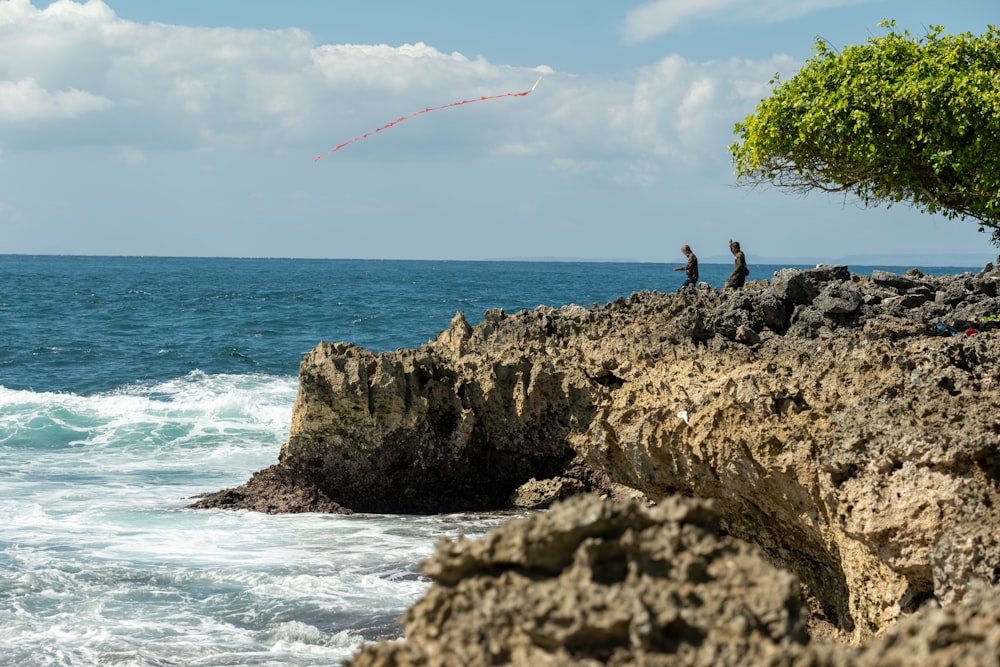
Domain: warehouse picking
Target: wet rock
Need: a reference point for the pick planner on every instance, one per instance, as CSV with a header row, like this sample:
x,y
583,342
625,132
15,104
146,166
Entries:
x,y
274,490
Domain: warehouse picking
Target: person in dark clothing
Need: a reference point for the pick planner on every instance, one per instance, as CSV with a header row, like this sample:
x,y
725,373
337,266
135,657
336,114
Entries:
x,y
690,269
740,270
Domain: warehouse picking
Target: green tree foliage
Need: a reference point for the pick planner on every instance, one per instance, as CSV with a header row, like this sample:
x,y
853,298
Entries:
x,y
898,119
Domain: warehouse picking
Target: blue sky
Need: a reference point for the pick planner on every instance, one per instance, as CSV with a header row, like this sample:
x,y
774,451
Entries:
x,y
189,127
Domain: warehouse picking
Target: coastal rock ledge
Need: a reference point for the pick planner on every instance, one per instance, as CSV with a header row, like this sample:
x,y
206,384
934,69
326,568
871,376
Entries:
x,y
847,427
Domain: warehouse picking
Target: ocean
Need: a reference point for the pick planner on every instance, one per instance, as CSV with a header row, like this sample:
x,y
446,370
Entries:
x,y
130,384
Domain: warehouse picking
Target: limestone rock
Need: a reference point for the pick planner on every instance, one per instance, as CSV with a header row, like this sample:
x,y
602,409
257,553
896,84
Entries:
x,y
963,634
839,298
594,582
845,426
796,286
597,583
540,494
274,490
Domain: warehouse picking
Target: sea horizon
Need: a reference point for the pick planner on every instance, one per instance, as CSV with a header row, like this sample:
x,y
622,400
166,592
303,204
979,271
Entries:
x,y
897,260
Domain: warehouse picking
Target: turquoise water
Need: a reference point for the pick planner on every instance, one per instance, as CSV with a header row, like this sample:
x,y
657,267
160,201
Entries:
x,y
128,385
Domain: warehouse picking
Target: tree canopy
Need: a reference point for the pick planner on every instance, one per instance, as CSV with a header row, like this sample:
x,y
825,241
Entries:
x,y
897,119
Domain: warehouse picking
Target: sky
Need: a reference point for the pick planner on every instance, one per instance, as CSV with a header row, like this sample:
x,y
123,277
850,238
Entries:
x,y
191,128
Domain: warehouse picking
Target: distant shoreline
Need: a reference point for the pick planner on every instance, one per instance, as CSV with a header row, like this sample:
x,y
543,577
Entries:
x,y
902,261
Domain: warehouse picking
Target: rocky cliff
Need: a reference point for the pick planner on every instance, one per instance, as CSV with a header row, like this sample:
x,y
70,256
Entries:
x,y
847,427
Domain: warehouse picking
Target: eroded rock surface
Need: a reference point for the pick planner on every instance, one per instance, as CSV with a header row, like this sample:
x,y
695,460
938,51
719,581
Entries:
x,y
593,582
848,427
598,583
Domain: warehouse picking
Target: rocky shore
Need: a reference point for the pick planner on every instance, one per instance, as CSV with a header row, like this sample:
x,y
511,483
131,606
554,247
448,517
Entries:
x,y
831,440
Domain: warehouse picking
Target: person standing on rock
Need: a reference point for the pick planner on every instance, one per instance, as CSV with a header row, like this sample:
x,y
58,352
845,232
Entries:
x,y
690,269
740,270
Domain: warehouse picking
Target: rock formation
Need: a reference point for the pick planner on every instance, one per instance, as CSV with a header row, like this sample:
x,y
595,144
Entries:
x,y
598,583
646,586
848,427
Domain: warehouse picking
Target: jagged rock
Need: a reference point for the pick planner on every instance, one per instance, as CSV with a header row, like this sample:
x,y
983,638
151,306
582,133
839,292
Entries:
x,y
746,335
899,282
797,286
857,449
540,494
839,298
809,322
747,313
963,634
274,490
597,583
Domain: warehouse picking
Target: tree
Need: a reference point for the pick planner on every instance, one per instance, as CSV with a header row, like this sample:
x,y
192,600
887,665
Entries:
x,y
898,119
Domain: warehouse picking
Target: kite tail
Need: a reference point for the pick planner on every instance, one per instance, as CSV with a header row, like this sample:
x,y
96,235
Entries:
x,y
423,111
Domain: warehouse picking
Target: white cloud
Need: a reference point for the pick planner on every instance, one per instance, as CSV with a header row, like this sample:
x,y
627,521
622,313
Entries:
x,y
656,18
394,68
154,86
79,75
63,10
684,111
661,16
25,100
